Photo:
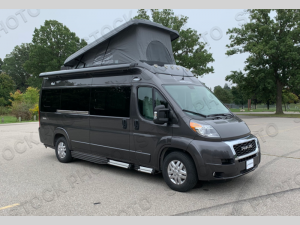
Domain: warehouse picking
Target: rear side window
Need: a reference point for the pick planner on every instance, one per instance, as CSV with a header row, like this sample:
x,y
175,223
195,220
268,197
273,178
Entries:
x,y
76,99
50,100
111,101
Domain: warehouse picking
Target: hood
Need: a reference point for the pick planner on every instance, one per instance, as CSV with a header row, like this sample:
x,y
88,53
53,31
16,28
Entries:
x,y
229,128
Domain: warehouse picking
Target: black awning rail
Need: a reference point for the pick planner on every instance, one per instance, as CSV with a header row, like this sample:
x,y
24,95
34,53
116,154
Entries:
x,y
88,70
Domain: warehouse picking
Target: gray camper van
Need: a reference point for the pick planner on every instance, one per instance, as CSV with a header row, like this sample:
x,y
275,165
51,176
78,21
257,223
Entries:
x,y
123,101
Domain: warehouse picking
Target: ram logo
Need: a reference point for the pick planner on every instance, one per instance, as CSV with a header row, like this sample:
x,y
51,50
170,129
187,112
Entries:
x,y
246,147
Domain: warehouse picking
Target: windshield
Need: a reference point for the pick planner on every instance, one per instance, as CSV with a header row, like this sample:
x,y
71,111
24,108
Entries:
x,y
196,99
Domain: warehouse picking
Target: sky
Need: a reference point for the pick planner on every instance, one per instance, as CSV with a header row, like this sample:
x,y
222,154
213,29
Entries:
x,y
17,26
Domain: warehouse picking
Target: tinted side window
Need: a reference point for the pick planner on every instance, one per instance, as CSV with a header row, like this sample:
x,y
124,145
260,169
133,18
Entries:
x,y
75,99
111,101
50,101
145,102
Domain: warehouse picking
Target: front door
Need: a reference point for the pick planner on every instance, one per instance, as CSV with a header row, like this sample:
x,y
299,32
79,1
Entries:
x,y
110,122
146,135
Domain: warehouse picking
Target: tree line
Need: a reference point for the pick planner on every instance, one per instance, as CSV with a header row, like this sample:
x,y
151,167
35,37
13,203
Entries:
x,y
239,96
271,39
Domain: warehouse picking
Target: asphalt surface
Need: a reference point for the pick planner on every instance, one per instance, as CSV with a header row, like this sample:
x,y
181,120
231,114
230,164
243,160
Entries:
x,y
33,182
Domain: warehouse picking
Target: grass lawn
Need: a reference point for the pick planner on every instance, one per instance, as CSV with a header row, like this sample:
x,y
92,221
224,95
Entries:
x,y
12,119
272,115
260,110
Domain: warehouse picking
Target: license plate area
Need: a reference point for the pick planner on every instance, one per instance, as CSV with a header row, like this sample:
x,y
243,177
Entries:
x,y
249,164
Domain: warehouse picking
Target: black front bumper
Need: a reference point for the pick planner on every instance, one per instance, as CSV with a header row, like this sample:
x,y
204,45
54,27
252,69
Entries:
x,y
219,160
229,171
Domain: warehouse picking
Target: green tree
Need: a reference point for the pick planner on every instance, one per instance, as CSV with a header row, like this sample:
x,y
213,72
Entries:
x,y
7,85
238,96
31,95
249,87
52,44
226,87
13,65
188,51
223,95
288,97
274,46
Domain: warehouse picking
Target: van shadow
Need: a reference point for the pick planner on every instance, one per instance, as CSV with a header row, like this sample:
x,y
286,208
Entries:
x,y
131,174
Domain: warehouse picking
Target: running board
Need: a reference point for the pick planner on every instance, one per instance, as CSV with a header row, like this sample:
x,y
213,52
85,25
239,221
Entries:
x,y
89,157
119,164
103,160
145,170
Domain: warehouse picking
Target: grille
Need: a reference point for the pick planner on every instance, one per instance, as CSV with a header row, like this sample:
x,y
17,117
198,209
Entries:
x,y
245,148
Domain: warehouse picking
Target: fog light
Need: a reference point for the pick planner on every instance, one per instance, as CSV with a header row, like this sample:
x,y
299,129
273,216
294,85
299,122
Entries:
x,y
218,174
227,161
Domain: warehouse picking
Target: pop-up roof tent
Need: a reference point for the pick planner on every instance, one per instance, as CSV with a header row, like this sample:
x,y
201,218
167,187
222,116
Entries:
x,y
132,42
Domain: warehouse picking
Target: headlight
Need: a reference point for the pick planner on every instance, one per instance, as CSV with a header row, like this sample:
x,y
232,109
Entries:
x,y
204,129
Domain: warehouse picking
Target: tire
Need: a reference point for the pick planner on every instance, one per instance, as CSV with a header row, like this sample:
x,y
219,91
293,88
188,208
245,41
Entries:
x,y
185,164
62,151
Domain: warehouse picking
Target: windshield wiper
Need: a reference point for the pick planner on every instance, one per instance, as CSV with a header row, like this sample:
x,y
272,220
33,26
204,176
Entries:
x,y
199,114
221,114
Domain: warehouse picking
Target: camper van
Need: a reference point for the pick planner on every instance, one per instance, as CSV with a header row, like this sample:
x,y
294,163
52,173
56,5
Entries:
x,y
123,101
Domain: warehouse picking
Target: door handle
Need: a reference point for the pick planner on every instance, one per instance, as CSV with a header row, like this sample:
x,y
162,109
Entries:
x,y
124,123
136,124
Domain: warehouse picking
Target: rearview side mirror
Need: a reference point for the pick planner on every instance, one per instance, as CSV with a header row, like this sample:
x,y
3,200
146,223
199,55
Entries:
x,y
161,114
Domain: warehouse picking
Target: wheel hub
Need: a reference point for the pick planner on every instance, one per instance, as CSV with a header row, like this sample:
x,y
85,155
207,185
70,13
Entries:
x,y
177,172
61,150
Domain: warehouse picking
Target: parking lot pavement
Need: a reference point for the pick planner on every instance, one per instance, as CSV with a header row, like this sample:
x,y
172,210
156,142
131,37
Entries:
x,y
33,182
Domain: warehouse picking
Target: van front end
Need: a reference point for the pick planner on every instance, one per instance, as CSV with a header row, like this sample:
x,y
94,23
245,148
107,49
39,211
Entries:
x,y
226,159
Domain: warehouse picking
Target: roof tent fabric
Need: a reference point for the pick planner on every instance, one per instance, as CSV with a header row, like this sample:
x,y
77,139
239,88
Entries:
x,y
134,41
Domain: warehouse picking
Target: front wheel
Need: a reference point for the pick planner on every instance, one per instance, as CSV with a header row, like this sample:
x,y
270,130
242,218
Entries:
x,y
179,172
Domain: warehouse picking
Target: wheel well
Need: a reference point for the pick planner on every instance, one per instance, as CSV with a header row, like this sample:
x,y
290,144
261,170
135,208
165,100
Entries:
x,y
167,151
56,138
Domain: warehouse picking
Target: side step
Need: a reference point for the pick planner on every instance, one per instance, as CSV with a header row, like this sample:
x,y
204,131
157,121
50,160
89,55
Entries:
x,y
103,160
145,169
119,164
89,157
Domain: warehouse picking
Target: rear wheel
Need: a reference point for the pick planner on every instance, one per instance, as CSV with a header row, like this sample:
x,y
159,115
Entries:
x,y
179,172
62,150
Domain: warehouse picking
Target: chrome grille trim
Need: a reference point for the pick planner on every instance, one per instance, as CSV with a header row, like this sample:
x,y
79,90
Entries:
x,y
241,141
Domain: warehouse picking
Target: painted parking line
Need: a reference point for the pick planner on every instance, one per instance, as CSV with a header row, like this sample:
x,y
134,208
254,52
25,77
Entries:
x,y
9,206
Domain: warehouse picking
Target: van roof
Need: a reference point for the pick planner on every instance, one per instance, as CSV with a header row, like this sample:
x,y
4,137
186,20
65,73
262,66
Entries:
x,y
130,42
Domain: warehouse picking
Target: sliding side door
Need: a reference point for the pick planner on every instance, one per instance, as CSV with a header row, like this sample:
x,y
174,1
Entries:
x,y
110,122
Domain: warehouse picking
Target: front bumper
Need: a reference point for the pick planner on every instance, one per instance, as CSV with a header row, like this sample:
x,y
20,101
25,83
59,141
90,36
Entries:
x,y
218,160
229,171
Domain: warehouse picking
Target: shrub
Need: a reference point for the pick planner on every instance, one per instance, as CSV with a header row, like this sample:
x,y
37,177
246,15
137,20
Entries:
x,y
25,105
4,110
35,110
21,109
